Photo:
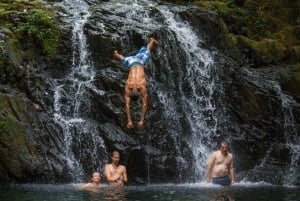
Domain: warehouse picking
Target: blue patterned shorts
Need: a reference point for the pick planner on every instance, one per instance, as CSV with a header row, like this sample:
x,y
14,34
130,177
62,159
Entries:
x,y
141,57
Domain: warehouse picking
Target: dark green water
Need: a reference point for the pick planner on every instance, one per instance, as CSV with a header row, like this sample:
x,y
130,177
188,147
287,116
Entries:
x,y
183,192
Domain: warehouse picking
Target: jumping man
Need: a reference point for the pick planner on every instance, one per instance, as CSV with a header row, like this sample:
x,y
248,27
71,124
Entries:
x,y
136,82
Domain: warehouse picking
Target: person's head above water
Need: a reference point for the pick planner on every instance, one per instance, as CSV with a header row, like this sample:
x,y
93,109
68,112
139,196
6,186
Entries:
x,y
95,177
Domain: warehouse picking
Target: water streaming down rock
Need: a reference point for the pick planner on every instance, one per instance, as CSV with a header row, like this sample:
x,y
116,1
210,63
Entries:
x,y
181,76
70,111
193,87
291,136
280,158
84,148
198,94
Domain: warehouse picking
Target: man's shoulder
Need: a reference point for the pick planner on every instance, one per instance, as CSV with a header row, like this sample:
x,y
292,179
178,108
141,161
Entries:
x,y
122,167
218,154
107,165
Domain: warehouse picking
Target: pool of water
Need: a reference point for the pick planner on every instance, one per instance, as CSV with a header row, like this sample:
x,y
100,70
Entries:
x,y
166,192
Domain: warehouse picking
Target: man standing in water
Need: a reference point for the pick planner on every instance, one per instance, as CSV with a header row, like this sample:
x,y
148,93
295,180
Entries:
x,y
220,167
136,82
115,173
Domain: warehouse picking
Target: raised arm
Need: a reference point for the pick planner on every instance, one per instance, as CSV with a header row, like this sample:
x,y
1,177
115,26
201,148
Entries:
x,y
144,106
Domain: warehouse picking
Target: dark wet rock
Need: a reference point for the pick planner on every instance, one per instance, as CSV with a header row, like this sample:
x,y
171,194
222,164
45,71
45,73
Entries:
x,y
253,101
30,150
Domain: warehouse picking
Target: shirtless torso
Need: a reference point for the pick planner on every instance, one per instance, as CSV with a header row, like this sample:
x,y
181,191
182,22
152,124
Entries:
x,y
115,175
220,164
136,84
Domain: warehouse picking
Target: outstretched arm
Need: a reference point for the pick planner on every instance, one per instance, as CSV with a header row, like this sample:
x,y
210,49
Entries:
x,y
144,108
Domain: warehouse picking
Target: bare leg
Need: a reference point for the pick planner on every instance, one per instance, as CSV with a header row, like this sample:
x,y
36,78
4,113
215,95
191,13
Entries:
x,y
152,43
118,56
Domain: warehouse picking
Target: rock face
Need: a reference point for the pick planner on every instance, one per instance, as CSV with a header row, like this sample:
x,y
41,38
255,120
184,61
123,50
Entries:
x,y
265,135
198,96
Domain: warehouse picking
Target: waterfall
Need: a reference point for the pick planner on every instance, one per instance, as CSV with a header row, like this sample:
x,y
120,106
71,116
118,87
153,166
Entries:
x,y
84,146
289,141
193,91
198,104
290,134
186,86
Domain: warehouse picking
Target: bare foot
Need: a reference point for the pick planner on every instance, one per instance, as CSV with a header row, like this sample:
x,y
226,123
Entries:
x,y
154,41
117,56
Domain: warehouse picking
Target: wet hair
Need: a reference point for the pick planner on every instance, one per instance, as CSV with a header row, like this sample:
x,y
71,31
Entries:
x,y
224,142
92,175
135,96
114,152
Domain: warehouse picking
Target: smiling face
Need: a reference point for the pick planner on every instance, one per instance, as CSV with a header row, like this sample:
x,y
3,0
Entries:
x,y
96,178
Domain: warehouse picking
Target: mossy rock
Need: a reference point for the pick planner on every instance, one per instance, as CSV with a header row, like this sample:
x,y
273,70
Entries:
x,y
269,28
291,84
12,134
286,36
266,51
296,32
210,4
219,6
15,51
33,23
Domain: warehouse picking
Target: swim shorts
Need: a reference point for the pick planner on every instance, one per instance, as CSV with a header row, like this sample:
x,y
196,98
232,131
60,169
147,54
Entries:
x,y
223,181
141,58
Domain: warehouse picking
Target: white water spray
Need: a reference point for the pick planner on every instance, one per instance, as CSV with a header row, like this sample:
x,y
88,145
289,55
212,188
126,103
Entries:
x,y
200,76
71,102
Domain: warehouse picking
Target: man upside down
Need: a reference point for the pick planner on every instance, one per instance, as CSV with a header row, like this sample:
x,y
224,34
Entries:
x,y
136,82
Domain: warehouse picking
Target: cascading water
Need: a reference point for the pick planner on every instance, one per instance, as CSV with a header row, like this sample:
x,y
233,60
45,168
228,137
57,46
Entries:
x,y
191,97
289,142
198,103
187,89
290,133
72,103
